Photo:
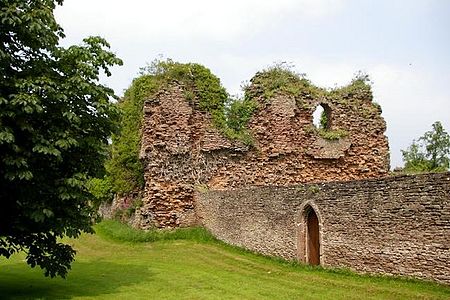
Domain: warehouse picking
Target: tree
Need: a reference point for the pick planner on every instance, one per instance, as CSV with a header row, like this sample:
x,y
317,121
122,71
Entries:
x,y
430,153
55,120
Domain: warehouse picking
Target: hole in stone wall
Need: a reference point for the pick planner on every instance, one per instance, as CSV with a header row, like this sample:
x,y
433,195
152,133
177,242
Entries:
x,y
322,116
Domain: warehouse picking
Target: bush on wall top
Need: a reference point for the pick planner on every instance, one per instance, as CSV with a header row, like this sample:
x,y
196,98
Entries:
x,y
204,90
200,86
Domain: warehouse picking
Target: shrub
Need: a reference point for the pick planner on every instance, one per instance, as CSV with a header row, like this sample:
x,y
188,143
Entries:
x,y
125,168
280,77
101,189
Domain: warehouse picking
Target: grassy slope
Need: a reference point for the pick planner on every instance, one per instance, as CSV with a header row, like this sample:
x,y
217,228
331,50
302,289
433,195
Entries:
x,y
186,269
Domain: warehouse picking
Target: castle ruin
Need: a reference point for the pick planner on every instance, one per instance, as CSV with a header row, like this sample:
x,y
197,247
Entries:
x,y
182,150
322,196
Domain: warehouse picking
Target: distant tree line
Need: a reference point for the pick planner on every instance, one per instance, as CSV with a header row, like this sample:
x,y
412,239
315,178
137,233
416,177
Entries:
x,y
429,153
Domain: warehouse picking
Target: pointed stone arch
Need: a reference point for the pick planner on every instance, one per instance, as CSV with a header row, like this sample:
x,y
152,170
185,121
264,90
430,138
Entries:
x,y
309,234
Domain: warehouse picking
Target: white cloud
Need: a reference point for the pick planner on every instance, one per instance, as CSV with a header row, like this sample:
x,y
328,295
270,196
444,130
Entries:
x,y
321,8
234,69
229,37
412,99
185,19
330,75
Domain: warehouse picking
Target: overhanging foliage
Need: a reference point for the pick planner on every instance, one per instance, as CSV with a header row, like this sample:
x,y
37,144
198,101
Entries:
x,y
55,121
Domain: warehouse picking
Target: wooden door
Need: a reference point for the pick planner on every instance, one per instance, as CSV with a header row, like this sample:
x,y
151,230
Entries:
x,y
313,239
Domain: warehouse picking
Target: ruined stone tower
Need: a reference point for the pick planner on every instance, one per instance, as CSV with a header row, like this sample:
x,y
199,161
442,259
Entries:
x,y
259,174
183,151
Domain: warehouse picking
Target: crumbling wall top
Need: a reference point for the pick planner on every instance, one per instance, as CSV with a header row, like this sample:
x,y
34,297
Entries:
x,y
184,145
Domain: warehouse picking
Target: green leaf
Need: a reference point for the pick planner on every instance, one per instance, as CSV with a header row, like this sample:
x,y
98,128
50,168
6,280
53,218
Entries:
x,y
55,121
6,136
48,212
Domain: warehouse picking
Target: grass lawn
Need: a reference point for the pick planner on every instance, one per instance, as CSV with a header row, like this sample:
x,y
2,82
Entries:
x,y
196,268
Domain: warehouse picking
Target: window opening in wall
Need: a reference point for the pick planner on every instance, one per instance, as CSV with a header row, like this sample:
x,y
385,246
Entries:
x,y
312,238
322,117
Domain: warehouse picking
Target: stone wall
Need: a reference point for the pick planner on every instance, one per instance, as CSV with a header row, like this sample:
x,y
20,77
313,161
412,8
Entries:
x,y
397,225
182,149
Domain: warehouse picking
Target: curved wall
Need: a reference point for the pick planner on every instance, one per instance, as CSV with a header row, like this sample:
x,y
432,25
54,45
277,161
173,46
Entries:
x,y
396,225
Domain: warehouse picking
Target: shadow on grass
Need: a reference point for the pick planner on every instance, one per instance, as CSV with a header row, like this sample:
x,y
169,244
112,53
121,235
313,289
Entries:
x,y
85,279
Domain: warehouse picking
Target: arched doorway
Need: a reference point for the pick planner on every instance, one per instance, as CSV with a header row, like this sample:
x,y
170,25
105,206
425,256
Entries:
x,y
309,235
312,238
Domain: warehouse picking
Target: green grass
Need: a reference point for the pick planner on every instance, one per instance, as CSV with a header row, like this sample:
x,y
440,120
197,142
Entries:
x,y
118,232
117,263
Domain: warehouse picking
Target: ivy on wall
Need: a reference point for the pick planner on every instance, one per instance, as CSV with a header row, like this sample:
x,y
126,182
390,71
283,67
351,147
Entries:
x,y
230,115
280,78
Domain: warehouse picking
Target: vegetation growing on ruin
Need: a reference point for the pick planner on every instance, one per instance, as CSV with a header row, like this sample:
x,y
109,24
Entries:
x,y
125,171
280,78
238,113
358,89
332,134
201,88
198,82
204,90
328,134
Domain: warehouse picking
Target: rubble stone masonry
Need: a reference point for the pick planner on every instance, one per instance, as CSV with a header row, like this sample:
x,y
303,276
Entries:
x,y
397,225
182,150
260,196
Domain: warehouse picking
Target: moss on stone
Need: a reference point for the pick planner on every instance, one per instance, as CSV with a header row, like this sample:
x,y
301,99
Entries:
x,y
202,88
280,78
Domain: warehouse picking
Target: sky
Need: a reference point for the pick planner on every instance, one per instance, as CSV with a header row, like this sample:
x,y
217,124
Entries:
x,y
404,46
